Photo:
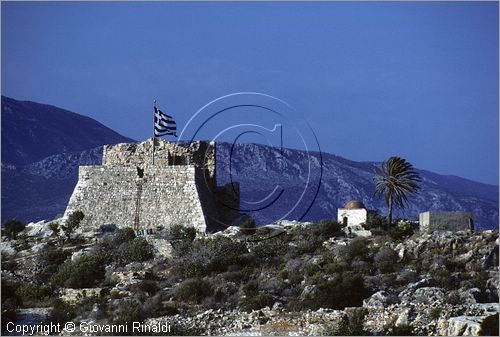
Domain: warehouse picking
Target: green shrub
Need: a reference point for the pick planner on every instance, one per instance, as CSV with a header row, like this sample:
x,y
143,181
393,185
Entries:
x,y
149,286
375,220
49,260
156,307
248,226
122,235
72,223
170,308
251,288
272,247
442,278
214,255
107,248
193,290
328,228
55,228
346,290
10,300
400,330
357,249
123,247
350,325
82,273
127,312
401,231
136,250
180,232
434,313
489,326
336,267
21,243
453,297
257,301
386,260
62,311
34,295
479,279
8,262
12,227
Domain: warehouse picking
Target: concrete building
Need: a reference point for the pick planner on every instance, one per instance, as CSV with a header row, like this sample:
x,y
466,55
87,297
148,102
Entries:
x,y
127,190
452,221
353,216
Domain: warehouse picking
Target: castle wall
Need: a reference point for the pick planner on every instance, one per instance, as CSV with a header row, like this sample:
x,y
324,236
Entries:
x,y
200,154
127,190
117,194
452,221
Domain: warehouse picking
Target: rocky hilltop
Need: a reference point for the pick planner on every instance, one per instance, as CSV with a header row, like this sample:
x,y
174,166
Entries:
x,y
288,278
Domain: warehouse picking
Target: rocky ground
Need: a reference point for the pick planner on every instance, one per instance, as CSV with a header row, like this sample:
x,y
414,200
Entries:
x,y
303,280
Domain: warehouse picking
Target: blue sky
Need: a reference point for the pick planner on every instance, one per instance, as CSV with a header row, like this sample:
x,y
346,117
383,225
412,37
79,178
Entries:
x,y
418,80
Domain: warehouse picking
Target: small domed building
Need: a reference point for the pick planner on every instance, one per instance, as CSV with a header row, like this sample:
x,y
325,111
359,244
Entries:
x,y
353,213
353,216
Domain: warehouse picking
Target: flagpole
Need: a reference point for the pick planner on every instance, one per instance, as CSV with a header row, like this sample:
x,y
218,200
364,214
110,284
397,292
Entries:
x,y
154,136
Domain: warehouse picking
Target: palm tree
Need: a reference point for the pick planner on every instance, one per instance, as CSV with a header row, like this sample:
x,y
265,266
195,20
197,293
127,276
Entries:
x,y
396,179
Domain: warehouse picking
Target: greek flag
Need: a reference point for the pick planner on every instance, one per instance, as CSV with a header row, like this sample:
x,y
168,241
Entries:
x,y
164,124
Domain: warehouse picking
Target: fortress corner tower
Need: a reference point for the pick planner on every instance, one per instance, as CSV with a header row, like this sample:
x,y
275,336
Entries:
x,y
127,190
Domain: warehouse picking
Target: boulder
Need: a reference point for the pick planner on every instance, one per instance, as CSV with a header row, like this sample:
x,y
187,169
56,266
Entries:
x,y
379,299
403,317
80,253
308,292
460,326
38,229
230,232
36,248
428,295
6,248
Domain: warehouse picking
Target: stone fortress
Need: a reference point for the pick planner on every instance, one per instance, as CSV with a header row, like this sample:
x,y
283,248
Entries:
x,y
177,185
180,188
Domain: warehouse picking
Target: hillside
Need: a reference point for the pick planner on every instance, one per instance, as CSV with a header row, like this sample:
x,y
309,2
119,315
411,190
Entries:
x,y
311,279
32,131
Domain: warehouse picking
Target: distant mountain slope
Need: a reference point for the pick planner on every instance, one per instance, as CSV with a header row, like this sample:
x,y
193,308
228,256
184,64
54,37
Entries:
x,y
41,189
259,168
33,131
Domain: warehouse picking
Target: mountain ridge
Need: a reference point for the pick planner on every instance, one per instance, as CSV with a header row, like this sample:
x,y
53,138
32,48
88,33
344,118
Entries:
x,y
41,188
32,131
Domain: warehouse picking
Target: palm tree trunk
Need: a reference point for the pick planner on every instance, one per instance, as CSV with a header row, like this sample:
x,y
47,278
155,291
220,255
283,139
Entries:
x,y
390,210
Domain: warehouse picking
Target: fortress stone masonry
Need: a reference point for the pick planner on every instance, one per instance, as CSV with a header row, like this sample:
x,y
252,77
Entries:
x,y
451,221
127,190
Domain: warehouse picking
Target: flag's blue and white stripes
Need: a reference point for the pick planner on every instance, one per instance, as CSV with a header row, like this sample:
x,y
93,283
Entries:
x,y
164,124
